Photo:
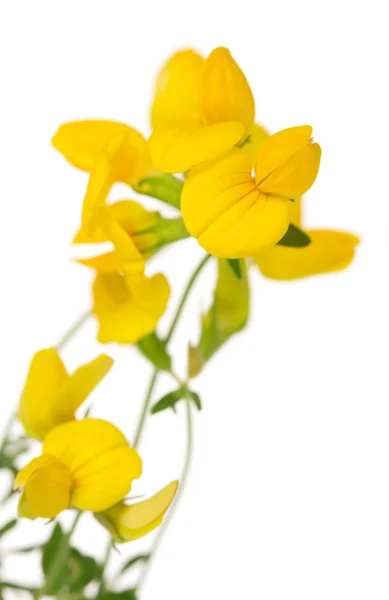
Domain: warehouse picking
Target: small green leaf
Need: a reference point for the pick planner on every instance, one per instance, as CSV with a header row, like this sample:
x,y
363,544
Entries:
x,y
50,549
154,350
235,267
195,361
168,401
82,570
295,238
8,526
133,561
162,186
196,398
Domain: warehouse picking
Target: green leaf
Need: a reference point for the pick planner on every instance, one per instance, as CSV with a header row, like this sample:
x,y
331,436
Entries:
x,y
82,570
170,400
162,186
154,350
235,266
196,361
54,545
133,561
295,238
8,526
229,312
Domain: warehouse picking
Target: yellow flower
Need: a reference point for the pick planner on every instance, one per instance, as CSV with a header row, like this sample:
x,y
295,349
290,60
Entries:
x,y
328,251
235,215
51,396
201,109
128,308
128,522
149,232
85,464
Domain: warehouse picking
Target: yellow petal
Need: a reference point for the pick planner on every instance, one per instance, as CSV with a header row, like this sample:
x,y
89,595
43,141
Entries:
x,y
257,137
177,149
296,175
126,159
24,510
78,387
81,142
28,470
328,251
104,263
137,520
225,91
38,401
129,258
279,148
225,211
295,211
128,310
47,490
101,462
177,90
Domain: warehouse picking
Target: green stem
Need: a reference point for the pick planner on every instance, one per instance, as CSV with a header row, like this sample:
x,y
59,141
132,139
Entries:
x,y
60,558
145,408
17,586
183,480
67,336
105,562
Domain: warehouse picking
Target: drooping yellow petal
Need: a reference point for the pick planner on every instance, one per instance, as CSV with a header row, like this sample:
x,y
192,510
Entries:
x,y
223,208
128,309
134,521
101,462
129,258
126,159
24,510
28,470
81,142
328,251
38,400
104,263
257,137
296,175
47,490
78,387
177,90
177,149
226,94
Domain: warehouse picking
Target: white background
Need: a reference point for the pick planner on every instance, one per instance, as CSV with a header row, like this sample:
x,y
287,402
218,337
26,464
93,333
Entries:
x,y
289,494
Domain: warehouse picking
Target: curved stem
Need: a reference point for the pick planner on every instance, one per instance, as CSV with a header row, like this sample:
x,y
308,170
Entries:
x,y
183,480
145,408
67,336
106,558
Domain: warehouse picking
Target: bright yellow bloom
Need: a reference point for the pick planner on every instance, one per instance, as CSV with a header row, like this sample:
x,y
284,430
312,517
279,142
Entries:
x,y
128,308
51,396
328,251
235,215
86,464
201,109
128,522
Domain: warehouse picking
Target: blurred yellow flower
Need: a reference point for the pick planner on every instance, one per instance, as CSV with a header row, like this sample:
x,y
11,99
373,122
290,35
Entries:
x,y
128,522
201,109
85,464
328,251
51,396
128,308
235,215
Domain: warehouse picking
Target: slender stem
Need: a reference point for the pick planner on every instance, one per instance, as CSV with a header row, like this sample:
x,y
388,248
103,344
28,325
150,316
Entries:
x,y
145,408
185,295
183,480
59,559
17,586
67,336
105,562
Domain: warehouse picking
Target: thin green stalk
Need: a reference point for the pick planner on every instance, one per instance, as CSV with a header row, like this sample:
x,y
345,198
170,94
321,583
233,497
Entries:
x,y
60,558
105,562
67,336
145,408
183,480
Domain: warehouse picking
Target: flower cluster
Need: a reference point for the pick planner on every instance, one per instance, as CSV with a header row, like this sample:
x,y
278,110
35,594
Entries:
x,y
238,191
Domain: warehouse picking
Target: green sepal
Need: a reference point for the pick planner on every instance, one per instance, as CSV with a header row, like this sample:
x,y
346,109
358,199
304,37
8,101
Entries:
x,y
234,263
8,526
162,186
295,238
154,350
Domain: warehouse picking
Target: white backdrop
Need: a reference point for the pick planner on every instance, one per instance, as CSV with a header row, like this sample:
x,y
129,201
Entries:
x,y
289,492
